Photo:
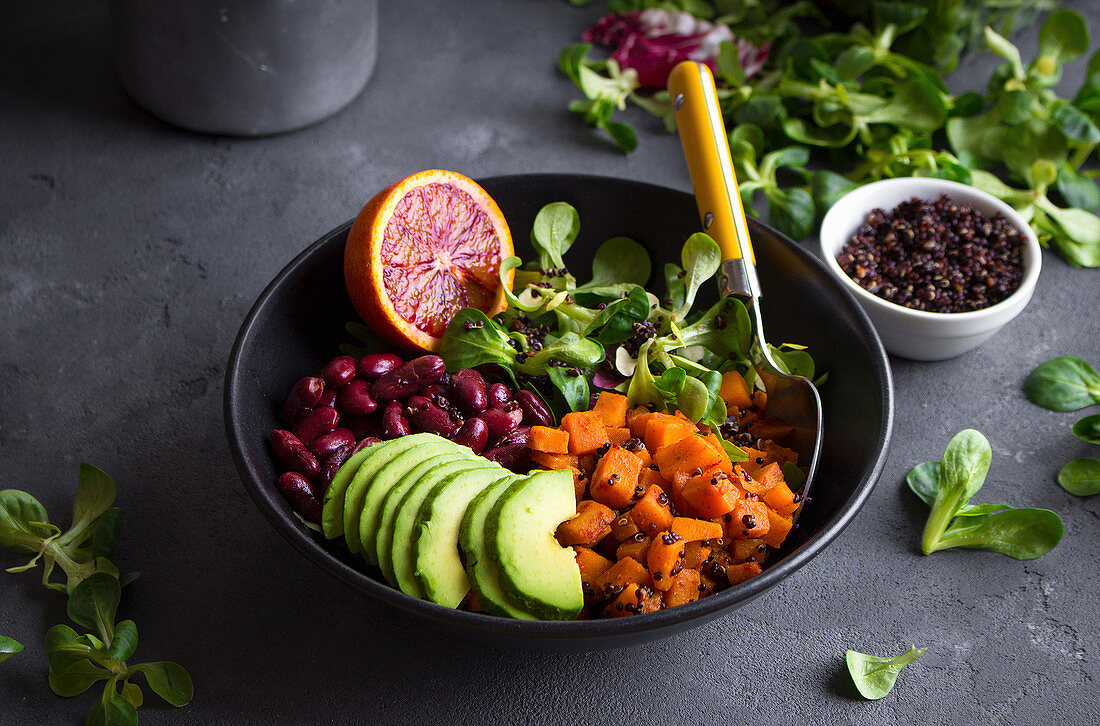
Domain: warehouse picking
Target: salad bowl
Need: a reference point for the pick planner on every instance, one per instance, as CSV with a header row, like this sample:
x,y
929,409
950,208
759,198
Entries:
x,y
298,322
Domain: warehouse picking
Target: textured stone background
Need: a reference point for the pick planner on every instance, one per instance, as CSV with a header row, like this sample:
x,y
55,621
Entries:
x,y
129,254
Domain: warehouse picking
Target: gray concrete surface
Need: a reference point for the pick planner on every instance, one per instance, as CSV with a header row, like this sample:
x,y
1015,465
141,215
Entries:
x,y
129,254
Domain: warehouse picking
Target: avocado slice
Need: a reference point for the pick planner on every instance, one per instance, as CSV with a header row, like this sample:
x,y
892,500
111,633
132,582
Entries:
x,y
437,565
376,533
402,556
365,493
536,573
481,568
332,512
364,475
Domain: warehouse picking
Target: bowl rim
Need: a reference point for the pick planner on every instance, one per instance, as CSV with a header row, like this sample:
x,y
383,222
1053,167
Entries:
x,y
271,502
865,194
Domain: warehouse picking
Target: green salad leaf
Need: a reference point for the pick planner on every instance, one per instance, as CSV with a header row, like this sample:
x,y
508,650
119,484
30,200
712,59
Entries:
x,y
9,647
1081,477
874,676
947,487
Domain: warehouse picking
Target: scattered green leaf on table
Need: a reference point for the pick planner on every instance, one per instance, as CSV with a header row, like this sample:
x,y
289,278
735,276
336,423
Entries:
x,y
1088,429
8,647
1081,477
873,676
1067,383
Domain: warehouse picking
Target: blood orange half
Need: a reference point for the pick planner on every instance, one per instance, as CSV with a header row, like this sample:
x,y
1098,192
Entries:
x,y
422,249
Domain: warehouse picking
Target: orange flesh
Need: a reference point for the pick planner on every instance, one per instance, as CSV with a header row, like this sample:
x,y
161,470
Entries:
x,y
440,253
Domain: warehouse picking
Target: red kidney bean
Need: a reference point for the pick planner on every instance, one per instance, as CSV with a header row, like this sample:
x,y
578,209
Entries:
x,y
498,394
339,372
394,423
408,378
518,435
427,416
323,446
355,400
474,434
428,369
319,421
293,453
513,456
297,489
377,365
501,420
364,443
436,390
329,467
470,390
397,385
535,412
328,398
303,398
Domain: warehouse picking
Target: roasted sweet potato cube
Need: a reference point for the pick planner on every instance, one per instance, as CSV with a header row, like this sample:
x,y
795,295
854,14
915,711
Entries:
x,y
734,390
684,589
624,527
587,464
591,564
639,421
778,528
664,430
748,520
689,456
650,476
589,525
665,559
624,572
634,548
634,600
739,573
616,477
757,458
760,400
618,436
781,454
695,554
771,429
652,513
580,483
743,549
780,498
548,440
612,408
711,494
554,461
724,462
693,530
639,449
586,431
707,585
760,481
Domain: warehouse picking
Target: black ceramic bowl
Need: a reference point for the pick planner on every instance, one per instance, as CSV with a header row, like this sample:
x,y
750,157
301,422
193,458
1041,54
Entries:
x,y
298,322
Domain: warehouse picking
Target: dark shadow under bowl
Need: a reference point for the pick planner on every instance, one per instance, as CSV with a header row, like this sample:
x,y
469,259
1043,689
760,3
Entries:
x,y
298,322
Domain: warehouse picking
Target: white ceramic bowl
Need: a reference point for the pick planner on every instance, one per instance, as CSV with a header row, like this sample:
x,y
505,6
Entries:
x,y
917,334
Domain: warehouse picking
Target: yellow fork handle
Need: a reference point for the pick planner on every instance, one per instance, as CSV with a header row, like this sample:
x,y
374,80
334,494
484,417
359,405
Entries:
x,y
706,148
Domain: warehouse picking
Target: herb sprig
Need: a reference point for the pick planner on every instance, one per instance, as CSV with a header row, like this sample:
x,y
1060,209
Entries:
x,y
947,487
94,588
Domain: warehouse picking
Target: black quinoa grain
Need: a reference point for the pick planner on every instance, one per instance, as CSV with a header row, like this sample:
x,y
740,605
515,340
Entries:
x,y
938,256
